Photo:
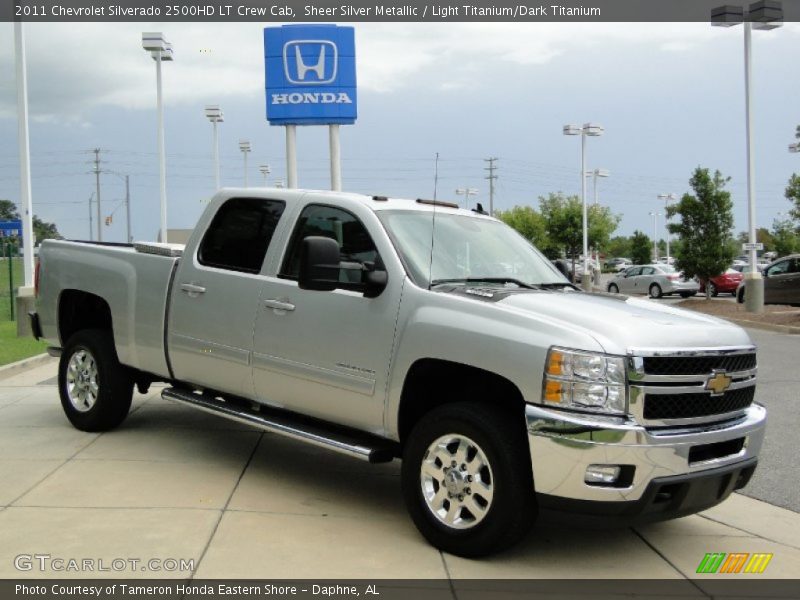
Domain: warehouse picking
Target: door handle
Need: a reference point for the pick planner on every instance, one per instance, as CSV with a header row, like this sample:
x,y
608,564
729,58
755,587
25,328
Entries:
x,y
193,289
279,304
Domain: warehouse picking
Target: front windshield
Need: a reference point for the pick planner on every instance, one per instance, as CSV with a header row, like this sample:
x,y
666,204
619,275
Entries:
x,y
465,248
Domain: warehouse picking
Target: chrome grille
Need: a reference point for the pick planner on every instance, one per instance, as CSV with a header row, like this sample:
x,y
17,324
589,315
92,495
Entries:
x,y
686,406
698,365
671,387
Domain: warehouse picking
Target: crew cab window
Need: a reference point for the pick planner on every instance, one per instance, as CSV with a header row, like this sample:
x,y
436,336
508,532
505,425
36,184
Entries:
x,y
240,233
356,247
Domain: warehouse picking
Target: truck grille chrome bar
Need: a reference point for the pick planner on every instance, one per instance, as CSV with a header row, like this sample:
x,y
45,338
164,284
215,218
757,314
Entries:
x,y
690,387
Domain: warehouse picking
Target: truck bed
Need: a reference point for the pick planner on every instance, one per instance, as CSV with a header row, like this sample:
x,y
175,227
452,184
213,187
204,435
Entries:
x,y
135,284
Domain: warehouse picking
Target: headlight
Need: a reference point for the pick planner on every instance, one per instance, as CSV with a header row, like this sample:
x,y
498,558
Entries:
x,y
584,381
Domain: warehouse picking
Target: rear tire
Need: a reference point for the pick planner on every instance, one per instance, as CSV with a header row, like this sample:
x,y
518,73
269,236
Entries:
x,y
613,289
466,510
95,389
655,291
740,296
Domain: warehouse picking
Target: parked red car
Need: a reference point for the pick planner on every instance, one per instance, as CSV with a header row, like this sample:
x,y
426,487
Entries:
x,y
723,284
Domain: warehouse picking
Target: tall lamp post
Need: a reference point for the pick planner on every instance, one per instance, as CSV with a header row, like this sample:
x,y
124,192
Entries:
x,y
667,198
244,146
588,130
766,14
655,216
160,50
594,174
265,170
466,192
214,114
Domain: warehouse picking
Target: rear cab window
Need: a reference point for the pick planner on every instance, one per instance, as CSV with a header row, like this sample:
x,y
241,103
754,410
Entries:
x,y
240,233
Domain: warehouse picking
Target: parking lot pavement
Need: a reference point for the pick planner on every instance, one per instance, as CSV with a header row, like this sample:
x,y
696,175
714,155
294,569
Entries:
x,y
176,483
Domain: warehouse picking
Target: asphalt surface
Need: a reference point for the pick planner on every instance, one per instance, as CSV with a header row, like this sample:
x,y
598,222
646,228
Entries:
x,y
777,478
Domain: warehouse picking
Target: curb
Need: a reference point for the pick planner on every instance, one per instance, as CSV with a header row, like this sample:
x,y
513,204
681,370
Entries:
x,y
15,368
766,326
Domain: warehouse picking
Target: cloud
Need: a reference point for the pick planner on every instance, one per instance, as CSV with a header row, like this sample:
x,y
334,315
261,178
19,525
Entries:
x,y
75,68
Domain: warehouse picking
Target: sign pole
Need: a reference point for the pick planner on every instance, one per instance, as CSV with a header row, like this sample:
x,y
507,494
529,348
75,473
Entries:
x,y
291,156
336,158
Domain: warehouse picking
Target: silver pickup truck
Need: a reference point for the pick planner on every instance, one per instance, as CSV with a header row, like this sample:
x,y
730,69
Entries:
x,y
385,328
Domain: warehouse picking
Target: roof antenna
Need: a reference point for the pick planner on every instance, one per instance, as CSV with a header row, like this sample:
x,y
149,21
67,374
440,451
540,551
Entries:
x,y
433,218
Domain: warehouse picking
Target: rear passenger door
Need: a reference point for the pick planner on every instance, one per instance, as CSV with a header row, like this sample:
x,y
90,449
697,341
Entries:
x,y
215,297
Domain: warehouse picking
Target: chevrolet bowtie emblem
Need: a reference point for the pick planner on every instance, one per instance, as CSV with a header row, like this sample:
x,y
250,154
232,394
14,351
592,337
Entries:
x,y
718,383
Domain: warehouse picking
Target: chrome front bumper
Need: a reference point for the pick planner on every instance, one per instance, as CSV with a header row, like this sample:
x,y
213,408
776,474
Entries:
x,y
563,445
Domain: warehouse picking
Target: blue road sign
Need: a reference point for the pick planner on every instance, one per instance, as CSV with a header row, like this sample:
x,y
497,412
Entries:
x,y
310,75
10,228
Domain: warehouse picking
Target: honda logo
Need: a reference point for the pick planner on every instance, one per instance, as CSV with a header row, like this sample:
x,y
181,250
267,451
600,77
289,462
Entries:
x,y
310,62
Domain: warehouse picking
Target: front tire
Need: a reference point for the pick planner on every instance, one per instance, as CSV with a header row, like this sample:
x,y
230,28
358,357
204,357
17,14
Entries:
x,y
713,289
612,288
655,291
467,479
95,389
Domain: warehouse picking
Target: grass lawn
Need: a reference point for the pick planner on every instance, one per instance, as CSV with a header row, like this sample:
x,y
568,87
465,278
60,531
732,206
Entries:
x,y
13,348
19,279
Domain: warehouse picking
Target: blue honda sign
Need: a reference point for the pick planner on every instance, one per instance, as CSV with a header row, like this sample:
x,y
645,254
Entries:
x,y
310,74
10,228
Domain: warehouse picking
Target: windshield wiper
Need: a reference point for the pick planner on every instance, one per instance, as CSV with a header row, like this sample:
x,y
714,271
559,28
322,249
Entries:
x,y
516,282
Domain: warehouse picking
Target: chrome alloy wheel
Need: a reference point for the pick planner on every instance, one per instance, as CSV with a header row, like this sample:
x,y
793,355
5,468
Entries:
x,y
82,387
457,481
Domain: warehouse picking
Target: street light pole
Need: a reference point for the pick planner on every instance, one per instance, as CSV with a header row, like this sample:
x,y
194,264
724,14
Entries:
x,y
244,146
265,170
594,130
759,15
655,216
466,192
666,198
214,114
160,50
24,152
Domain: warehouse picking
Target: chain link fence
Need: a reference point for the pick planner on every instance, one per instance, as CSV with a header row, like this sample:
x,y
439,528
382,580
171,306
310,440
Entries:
x,y
11,277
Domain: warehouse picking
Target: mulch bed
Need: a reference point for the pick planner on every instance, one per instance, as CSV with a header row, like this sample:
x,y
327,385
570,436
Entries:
x,y
775,314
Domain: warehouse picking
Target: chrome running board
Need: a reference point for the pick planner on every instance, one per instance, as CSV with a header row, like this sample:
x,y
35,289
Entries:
x,y
319,433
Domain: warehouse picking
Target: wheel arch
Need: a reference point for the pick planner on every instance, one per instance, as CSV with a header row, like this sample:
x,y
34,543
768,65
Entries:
x,y
433,382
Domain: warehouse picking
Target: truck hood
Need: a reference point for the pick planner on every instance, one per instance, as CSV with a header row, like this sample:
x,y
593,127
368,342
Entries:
x,y
621,323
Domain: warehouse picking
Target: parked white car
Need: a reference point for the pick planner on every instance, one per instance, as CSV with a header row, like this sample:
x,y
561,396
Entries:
x,y
655,280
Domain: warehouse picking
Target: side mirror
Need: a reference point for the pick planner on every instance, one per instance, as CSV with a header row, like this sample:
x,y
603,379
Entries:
x,y
374,282
319,264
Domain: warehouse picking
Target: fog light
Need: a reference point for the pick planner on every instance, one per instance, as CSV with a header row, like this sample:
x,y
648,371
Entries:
x,y
602,474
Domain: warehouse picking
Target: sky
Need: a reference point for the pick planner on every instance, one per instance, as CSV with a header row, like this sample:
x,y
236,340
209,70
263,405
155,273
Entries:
x,y
670,96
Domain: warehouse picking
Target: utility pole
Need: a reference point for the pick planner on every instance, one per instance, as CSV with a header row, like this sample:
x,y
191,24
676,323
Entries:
x,y
491,177
435,176
91,228
97,193
128,207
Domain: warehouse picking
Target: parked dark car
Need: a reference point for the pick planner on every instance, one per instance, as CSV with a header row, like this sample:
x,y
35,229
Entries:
x,y
781,282
726,283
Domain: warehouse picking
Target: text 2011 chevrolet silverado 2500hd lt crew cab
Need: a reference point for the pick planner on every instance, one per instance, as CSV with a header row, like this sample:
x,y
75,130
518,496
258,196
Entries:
x,y
386,328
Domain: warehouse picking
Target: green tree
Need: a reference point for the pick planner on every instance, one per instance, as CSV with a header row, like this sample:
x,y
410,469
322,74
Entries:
x,y
785,239
8,211
706,220
792,194
530,224
563,218
640,248
619,246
